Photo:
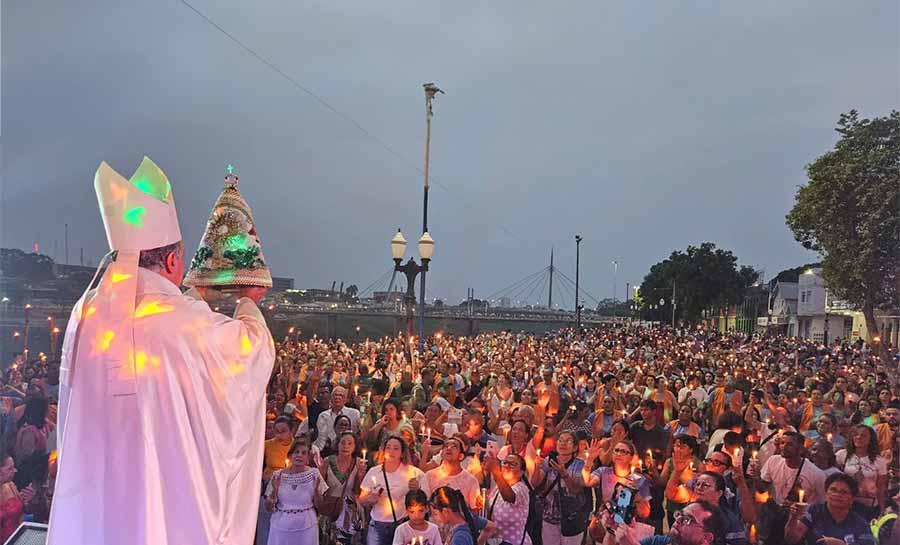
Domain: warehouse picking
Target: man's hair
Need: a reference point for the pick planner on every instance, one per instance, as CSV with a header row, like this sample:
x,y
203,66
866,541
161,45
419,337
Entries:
x,y
844,478
715,522
155,258
649,404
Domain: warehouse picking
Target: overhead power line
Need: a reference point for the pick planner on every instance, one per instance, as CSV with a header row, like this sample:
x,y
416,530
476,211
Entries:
x,y
328,106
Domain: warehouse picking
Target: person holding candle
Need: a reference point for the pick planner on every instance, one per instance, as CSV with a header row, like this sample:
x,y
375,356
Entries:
x,y
676,473
790,471
275,457
509,501
417,530
291,497
622,471
384,488
451,473
343,472
830,522
618,432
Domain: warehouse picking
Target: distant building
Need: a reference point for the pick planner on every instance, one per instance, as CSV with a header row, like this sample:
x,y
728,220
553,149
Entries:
x,y
818,311
782,315
382,297
281,283
505,302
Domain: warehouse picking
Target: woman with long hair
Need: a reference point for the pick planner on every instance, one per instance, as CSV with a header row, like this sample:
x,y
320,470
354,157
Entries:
x,y
519,442
449,509
12,500
621,471
509,500
30,451
384,488
618,432
291,498
864,414
341,425
565,506
862,461
343,472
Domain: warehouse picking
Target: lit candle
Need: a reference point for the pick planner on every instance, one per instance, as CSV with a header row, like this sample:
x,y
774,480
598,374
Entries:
x,y
287,462
829,436
428,435
370,397
356,390
649,456
364,451
754,455
800,494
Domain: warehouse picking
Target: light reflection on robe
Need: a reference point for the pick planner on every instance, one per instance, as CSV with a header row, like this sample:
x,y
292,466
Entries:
x,y
171,454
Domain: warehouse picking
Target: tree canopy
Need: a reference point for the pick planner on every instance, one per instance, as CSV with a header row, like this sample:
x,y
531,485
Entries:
x,y
703,277
849,212
33,267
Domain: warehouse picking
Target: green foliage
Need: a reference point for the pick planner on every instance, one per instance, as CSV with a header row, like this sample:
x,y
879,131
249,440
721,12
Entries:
x,y
849,212
28,266
703,276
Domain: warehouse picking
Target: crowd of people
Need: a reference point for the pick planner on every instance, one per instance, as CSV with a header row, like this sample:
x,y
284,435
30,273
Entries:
x,y
28,407
616,435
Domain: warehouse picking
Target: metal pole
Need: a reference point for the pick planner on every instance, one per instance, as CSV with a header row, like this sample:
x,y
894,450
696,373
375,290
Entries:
x,y
673,304
430,90
577,271
615,274
825,336
550,296
67,244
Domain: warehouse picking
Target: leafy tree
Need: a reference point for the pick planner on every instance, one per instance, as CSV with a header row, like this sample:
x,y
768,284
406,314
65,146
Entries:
x,y
702,276
610,307
29,266
849,212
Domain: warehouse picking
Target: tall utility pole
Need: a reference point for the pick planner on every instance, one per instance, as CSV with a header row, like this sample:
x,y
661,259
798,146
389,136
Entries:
x,y
673,304
577,271
550,296
67,243
615,265
430,91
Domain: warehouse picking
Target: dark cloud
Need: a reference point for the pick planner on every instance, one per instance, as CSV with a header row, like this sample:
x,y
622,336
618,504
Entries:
x,y
644,126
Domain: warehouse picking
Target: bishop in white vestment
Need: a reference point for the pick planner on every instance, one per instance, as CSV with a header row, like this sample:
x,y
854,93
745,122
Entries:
x,y
162,400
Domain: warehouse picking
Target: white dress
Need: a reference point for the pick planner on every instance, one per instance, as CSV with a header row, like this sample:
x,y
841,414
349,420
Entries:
x,y
294,520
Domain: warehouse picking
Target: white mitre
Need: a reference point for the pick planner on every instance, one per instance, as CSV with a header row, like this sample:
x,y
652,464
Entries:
x,y
138,214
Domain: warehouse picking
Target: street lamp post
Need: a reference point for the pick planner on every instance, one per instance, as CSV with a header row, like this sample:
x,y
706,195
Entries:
x,y
411,269
430,91
577,271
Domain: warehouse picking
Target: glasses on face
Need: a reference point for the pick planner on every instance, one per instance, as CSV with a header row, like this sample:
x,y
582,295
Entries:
x,y
685,519
624,451
839,491
715,462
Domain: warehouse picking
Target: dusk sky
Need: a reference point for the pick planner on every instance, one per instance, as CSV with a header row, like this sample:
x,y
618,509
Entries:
x,y
644,126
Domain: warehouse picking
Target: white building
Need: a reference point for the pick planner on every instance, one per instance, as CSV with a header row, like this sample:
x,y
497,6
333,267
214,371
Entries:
x,y
817,310
782,309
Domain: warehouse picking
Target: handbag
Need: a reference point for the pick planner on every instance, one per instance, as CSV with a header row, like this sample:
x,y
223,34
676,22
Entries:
x,y
331,507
